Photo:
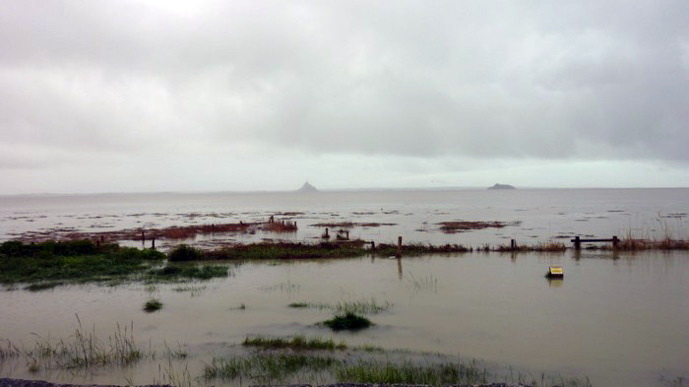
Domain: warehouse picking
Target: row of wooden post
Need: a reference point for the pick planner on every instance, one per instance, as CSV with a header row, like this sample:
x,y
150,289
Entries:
x,y
143,240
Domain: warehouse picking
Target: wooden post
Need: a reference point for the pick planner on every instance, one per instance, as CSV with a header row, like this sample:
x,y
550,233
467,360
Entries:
x,y
143,236
513,244
615,242
153,243
577,243
399,247
373,246
347,234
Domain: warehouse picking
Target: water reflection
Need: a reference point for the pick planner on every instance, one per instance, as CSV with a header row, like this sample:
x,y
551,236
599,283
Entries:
x,y
555,282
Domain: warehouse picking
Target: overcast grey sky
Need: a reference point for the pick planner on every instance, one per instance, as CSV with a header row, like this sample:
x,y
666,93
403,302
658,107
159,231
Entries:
x,y
113,96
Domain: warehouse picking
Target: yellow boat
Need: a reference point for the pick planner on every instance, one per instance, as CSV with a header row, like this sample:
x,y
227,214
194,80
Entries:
x,y
555,272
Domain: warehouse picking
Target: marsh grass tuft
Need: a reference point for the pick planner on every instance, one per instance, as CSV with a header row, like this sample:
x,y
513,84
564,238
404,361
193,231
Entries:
x,y
310,305
365,306
8,350
348,321
194,291
153,305
550,246
84,350
180,272
281,364
39,286
428,283
285,367
296,343
185,253
635,244
372,371
267,367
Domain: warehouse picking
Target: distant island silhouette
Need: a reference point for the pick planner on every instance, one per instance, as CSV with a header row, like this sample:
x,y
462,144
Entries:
x,y
307,188
502,186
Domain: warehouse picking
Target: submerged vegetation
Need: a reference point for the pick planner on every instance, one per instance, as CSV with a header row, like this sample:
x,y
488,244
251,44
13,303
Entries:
x,y
268,368
348,321
363,306
153,305
296,343
408,372
84,350
276,368
288,361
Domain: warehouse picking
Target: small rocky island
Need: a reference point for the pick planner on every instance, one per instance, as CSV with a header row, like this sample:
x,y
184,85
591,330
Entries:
x,y
502,186
307,188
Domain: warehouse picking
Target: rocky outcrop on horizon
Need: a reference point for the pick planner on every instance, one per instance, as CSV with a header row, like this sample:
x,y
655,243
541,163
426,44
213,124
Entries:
x,y
502,186
307,188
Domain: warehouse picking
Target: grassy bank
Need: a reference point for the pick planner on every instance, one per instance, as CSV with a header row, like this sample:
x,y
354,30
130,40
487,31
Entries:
x,y
302,360
48,264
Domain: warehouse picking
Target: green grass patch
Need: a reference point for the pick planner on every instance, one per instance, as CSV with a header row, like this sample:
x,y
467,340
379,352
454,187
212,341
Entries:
x,y
176,272
282,365
268,368
348,321
49,264
278,368
296,342
78,261
185,253
153,305
372,371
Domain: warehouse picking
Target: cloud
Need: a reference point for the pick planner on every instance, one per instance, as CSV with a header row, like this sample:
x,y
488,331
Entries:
x,y
531,80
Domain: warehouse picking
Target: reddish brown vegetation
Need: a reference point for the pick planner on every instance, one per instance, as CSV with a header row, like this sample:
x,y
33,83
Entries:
x,y
632,244
461,226
174,232
539,247
351,224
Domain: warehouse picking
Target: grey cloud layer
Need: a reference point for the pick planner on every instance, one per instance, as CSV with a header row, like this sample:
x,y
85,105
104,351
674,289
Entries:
x,y
479,79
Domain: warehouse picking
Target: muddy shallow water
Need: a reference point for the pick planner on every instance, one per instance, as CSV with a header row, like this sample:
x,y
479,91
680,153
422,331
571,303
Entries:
x,y
616,319
530,215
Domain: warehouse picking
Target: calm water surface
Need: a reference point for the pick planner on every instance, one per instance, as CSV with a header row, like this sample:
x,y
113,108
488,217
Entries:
x,y
620,320
617,319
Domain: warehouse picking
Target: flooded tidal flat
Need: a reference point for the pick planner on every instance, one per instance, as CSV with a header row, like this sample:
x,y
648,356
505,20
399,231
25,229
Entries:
x,y
530,216
616,319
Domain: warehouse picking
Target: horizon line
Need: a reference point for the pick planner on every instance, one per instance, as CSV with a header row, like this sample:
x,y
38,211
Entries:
x,y
318,190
